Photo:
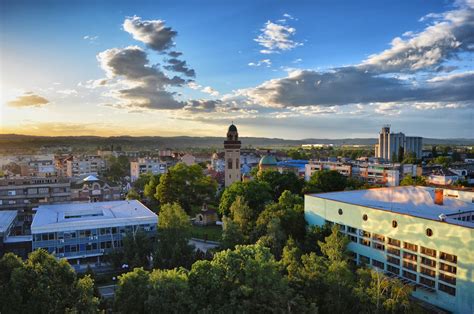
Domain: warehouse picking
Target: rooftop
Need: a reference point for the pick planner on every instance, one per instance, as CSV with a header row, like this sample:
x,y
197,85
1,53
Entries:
x,y
410,200
6,219
79,216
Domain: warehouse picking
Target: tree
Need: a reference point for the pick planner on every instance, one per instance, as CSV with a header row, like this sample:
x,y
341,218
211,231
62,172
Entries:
x,y
43,284
187,186
274,237
174,233
326,181
401,153
135,252
410,158
280,182
142,180
133,195
132,291
149,190
231,234
245,280
169,292
410,181
256,193
242,216
442,160
118,168
314,235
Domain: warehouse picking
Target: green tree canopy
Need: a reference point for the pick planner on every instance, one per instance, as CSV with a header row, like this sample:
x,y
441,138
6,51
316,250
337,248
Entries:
x,y
326,181
132,291
149,190
169,292
280,182
133,195
187,186
256,193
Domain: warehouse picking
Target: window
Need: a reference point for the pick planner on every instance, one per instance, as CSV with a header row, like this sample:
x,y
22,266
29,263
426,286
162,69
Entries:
x,y
364,259
429,232
393,270
393,260
427,271
447,289
409,256
229,163
378,237
378,246
448,268
394,242
364,242
409,275
340,211
378,264
353,238
365,217
409,265
351,230
428,262
393,251
448,257
394,223
427,282
427,251
410,246
447,278
365,233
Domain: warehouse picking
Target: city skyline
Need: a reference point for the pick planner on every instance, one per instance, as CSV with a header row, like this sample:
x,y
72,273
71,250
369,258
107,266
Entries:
x,y
294,71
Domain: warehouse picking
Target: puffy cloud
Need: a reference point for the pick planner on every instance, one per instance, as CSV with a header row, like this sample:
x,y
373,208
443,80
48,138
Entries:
x,y
93,83
174,54
67,92
202,105
28,99
211,91
276,37
153,33
452,32
266,62
146,83
179,66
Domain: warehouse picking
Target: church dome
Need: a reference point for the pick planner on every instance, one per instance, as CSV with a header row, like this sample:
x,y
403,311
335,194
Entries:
x,y
232,128
268,160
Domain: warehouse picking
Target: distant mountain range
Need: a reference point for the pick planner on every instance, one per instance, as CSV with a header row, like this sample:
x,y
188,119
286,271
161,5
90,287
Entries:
x,y
16,141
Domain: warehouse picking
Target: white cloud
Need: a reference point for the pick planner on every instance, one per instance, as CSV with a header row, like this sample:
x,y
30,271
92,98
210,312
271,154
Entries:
x,y
28,99
153,33
265,62
211,91
277,37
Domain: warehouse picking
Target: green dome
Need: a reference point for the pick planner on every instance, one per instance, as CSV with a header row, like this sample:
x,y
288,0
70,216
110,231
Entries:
x,y
268,160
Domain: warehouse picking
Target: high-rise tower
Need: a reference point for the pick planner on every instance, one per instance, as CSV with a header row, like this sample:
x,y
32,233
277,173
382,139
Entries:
x,y
232,156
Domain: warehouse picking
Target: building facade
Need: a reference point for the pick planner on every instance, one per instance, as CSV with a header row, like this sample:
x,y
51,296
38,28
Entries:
x,y
389,144
83,232
232,156
93,189
144,165
420,235
85,165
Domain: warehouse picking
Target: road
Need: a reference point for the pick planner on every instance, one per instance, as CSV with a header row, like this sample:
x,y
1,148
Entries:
x,y
203,245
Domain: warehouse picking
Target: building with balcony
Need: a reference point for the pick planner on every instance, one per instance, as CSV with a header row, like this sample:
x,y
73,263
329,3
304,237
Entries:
x,y
93,189
85,165
83,232
424,236
389,144
147,165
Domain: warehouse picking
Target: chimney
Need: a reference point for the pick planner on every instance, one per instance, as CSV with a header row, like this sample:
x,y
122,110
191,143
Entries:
x,y
438,196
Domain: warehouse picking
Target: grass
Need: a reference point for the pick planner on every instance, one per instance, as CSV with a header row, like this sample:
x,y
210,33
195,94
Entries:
x,y
214,233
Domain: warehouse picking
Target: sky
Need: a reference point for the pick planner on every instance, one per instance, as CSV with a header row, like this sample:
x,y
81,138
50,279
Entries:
x,y
285,69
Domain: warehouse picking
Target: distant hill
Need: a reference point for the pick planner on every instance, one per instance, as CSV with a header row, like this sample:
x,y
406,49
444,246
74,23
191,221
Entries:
x,y
10,142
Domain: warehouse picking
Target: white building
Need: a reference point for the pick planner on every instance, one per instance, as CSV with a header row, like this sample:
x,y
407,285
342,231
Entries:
x,y
421,235
85,165
147,165
389,144
84,232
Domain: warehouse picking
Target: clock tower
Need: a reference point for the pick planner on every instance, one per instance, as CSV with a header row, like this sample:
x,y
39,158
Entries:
x,y
232,156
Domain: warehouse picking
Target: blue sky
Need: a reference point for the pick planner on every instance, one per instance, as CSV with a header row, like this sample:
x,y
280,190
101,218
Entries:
x,y
291,69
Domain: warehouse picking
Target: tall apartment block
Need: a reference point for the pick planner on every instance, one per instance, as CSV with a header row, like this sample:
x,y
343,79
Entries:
x,y
421,235
85,165
389,144
144,165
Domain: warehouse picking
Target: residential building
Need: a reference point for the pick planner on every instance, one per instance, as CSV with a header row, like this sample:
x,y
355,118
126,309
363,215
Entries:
x,y
389,144
313,166
188,159
424,236
39,166
93,189
83,232
232,156
11,239
24,193
85,165
297,167
144,165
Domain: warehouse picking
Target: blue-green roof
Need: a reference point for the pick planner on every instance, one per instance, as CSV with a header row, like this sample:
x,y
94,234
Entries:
x,y
268,160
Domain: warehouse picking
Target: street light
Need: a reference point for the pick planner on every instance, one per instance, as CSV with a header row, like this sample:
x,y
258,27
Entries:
x,y
114,279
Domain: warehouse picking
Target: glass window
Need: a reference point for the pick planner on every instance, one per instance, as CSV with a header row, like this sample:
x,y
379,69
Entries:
x,y
428,262
448,268
364,259
393,270
44,237
353,238
393,251
378,264
448,257
427,282
378,246
365,233
351,230
378,237
410,246
409,265
394,242
427,271
393,260
447,278
409,256
364,242
427,251
409,275
447,289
